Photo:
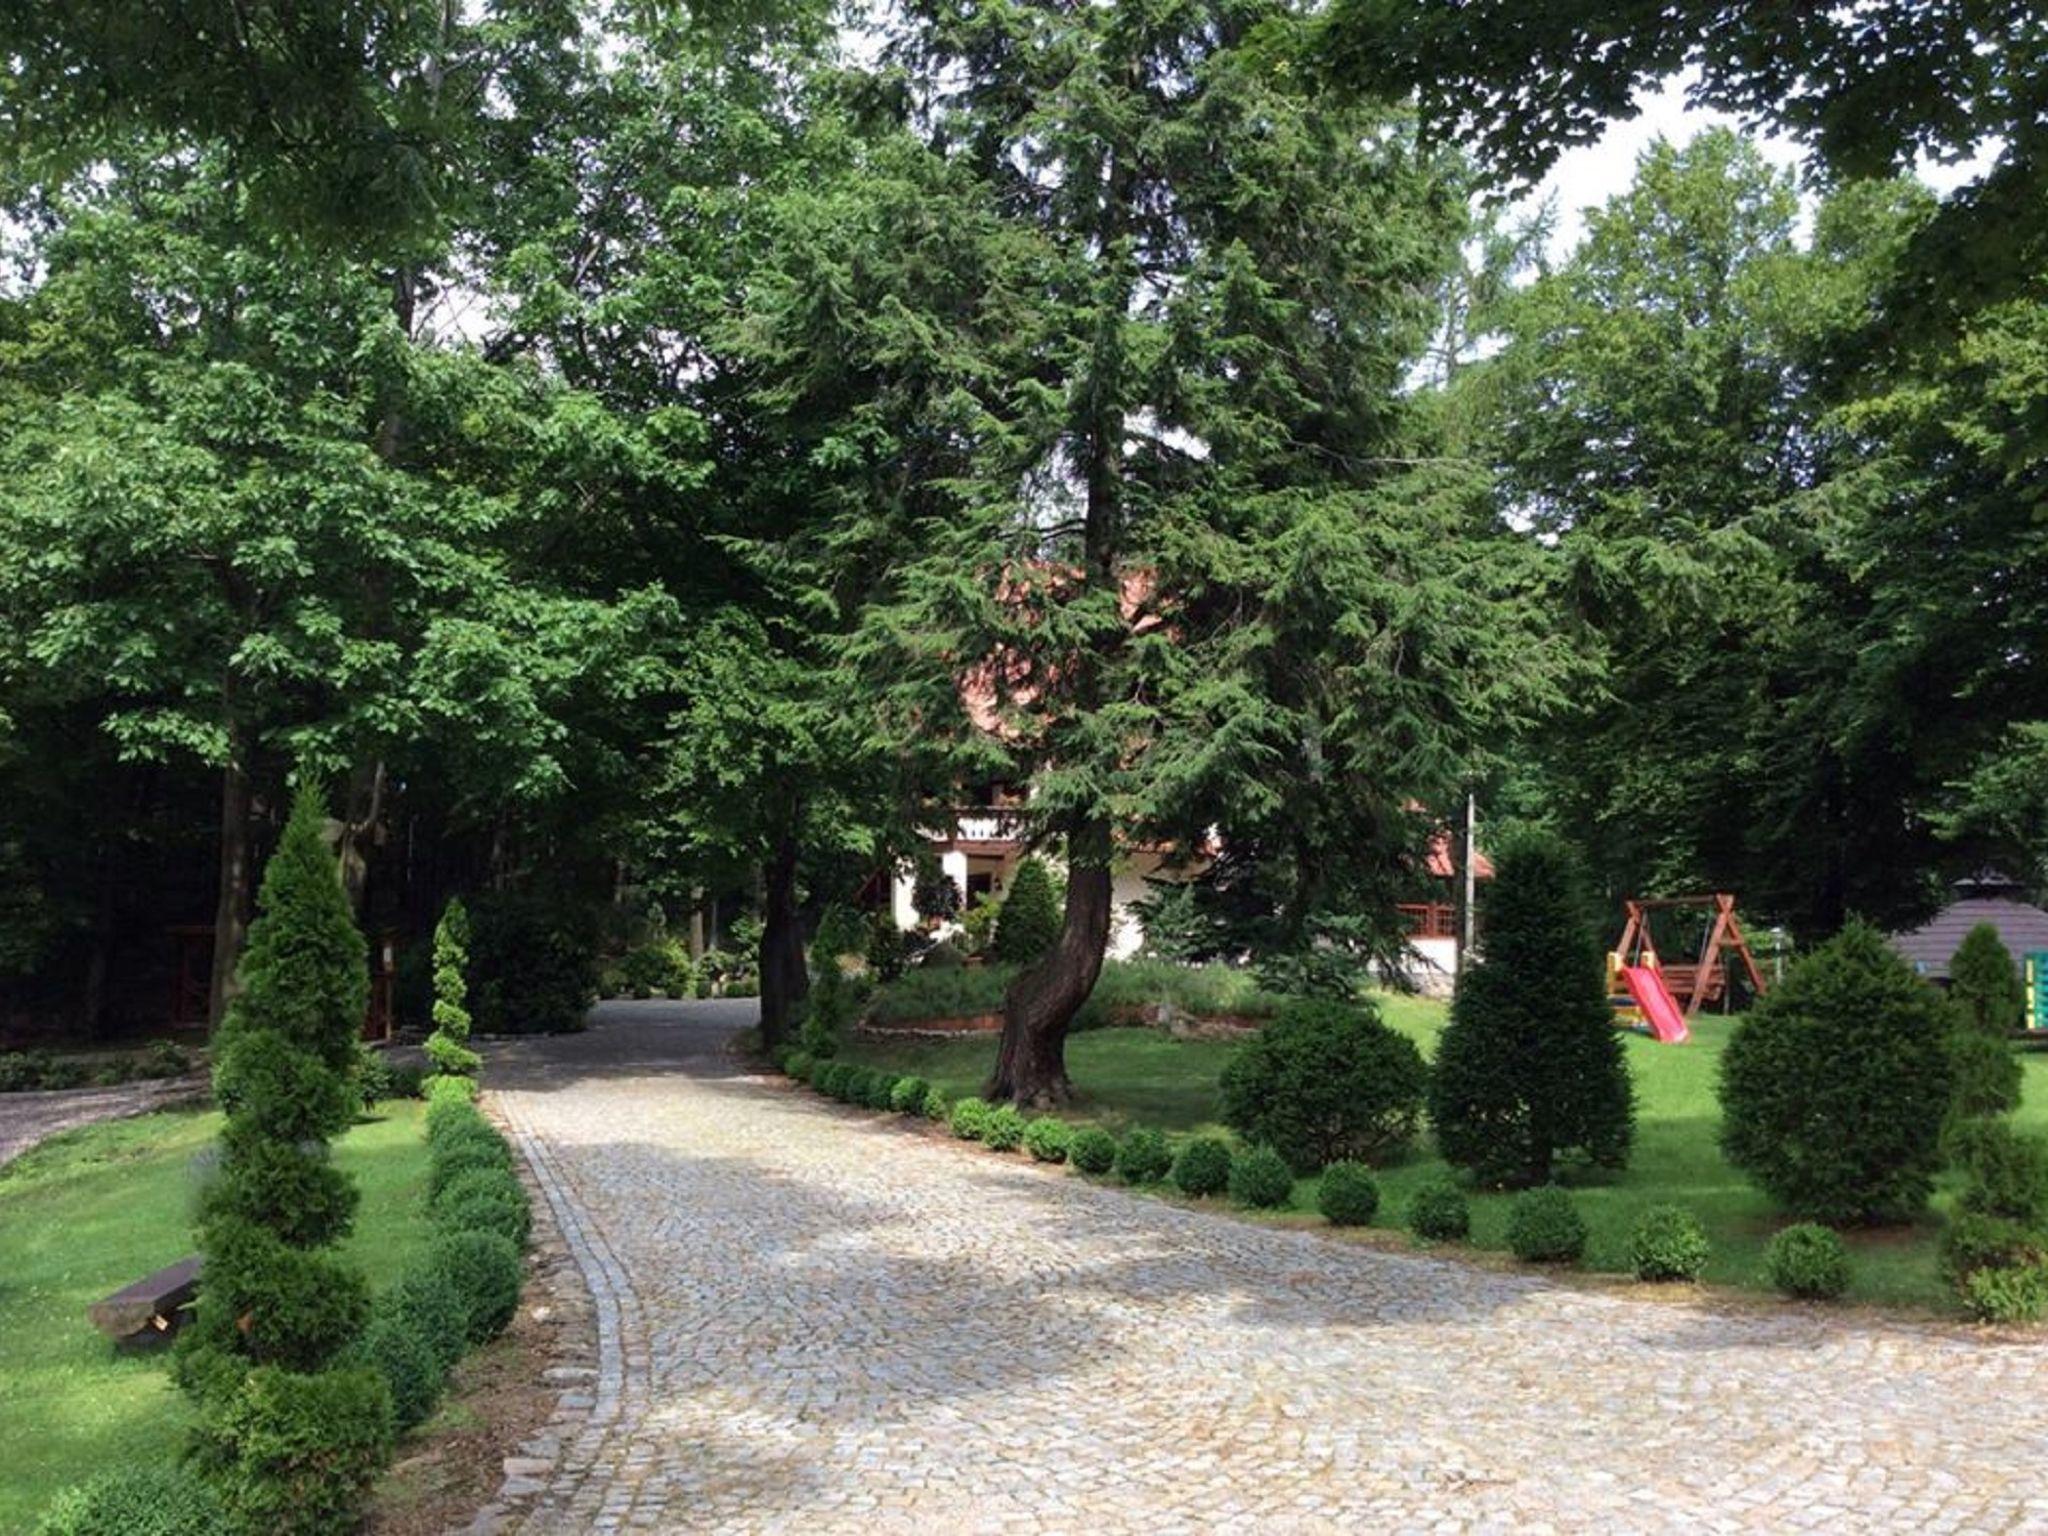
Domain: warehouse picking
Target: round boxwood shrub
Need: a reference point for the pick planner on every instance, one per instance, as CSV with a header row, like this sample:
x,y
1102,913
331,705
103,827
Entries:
x,y
1203,1167
1326,1081
488,1200
436,1309
1143,1157
1808,1261
1835,1087
881,1090
484,1268
1438,1212
397,1348
1544,1227
909,1094
799,1064
306,1449
1348,1195
1093,1150
969,1118
136,1501
1667,1243
1261,1179
1003,1129
938,1108
1047,1138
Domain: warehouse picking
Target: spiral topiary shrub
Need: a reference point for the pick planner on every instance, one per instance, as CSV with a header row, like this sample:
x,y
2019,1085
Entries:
x,y
137,1501
1093,1150
1835,1088
448,1046
1143,1157
307,1449
484,1269
1544,1227
909,1094
437,1089
1261,1179
1047,1139
1808,1261
1003,1129
1323,1082
1202,1167
1667,1243
969,1118
1438,1212
1348,1195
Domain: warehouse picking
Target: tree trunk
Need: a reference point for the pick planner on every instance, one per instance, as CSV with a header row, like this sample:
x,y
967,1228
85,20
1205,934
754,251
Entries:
x,y
785,979
231,908
1031,1062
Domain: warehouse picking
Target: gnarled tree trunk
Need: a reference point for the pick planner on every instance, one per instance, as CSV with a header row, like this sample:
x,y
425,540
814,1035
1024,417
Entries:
x,y
785,980
231,906
1031,1062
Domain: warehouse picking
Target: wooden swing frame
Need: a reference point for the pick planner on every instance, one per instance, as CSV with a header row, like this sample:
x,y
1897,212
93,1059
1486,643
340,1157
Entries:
x,y
1706,978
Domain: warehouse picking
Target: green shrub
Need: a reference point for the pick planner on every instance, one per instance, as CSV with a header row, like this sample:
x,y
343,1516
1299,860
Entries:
x,y
306,1449
1261,1179
938,1108
2018,1295
1047,1139
1834,1088
1325,1082
1202,1167
835,1000
1807,1261
909,1095
397,1347
1028,922
969,1118
486,1200
1544,1227
1092,1150
831,1079
1530,1067
1972,1243
1348,1195
799,1064
451,1116
533,959
448,1046
1438,1212
268,1302
659,966
436,1309
437,1089
1667,1243
452,1159
1003,1129
1143,1157
137,1501
882,1090
1984,1072
938,992
1990,1000
2007,1171
484,1269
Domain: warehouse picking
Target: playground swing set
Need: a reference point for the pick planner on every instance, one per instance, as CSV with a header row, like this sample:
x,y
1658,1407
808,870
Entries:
x,y
1659,999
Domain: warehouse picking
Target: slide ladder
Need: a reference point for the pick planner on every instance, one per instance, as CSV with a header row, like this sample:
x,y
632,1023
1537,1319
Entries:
x,y
1659,1008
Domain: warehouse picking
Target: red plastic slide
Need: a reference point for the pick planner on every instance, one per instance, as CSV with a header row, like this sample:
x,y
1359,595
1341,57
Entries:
x,y
1660,1008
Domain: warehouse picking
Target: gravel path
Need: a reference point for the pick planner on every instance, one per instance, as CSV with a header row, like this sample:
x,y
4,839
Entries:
x,y
27,1118
817,1320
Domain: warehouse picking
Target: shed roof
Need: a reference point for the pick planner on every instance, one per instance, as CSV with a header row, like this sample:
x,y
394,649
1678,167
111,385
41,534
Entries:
x,y
2022,928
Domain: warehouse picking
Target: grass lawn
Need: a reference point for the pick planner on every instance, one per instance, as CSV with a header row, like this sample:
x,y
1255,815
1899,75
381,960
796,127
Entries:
x,y
86,1213
1126,1077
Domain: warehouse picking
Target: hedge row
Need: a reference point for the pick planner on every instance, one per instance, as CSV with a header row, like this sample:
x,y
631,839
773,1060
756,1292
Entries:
x,y
327,1438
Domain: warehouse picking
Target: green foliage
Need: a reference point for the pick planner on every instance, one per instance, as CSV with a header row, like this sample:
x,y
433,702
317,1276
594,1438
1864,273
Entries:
x,y
1029,923
438,1090
1808,1261
533,959
2006,1172
398,1347
661,967
832,1078
1047,1138
878,1091
969,1118
937,1108
1261,1179
1530,1068
1348,1195
267,1301
1092,1150
306,1449
485,1200
448,1045
1988,996
484,1269
1668,1243
909,1095
1544,1227
1002,1130
1202,1166
798,1065
2007,1294
436,1311
1995,1251
1438,1212
137,1501
1323,1082
1835,1087
1984,1073
1143,1157
835,999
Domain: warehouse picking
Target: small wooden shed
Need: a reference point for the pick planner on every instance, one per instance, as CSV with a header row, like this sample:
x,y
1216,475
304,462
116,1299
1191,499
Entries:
x,y
1985,897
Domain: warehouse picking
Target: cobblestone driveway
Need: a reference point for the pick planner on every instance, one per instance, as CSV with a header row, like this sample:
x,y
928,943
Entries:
x,y
817,1320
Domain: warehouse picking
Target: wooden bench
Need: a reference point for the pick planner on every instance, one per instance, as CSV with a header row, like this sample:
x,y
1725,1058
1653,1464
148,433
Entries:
x,y
151,1308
